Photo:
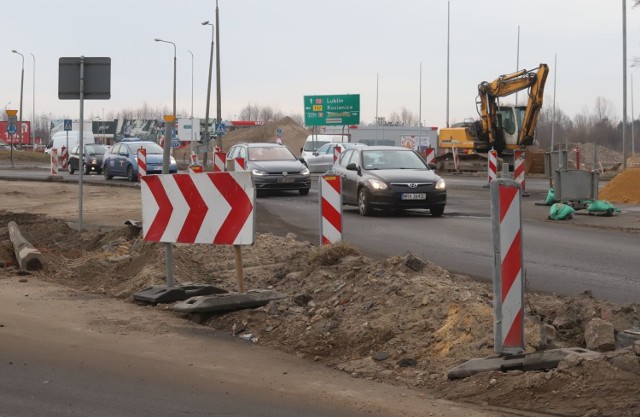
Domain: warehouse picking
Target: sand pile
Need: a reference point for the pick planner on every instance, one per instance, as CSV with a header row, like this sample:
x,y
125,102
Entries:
x,y
293,135
623,188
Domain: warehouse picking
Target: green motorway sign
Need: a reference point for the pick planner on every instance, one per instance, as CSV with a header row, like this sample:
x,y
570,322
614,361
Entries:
x,y
332,110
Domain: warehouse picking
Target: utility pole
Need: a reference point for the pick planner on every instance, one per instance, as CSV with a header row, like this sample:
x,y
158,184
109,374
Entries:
x,y
219,100
207,139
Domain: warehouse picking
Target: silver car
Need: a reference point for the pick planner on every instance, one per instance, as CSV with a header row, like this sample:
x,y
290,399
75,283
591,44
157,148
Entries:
x,y
322,159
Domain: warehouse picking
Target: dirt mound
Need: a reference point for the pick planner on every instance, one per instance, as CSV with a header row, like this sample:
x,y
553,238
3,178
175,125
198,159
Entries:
x,y
623,188
400,320
293,135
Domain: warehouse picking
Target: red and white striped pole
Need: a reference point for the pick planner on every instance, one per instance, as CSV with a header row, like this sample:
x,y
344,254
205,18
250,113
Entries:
x,y
54,161
64,157
518,168
336,152
455,158
219,162
142,163
329,189
429,155
508,280
236,164
492,164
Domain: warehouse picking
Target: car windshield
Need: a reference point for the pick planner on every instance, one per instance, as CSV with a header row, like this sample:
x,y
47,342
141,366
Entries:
x,y
272,153
150,147
391,159
313,145
95,149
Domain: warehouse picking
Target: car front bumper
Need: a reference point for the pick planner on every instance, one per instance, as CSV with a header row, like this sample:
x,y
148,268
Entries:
x,y
280,182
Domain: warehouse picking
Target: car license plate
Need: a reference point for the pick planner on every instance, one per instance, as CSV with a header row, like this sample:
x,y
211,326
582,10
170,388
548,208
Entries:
x,y
156,167
413,196
286,180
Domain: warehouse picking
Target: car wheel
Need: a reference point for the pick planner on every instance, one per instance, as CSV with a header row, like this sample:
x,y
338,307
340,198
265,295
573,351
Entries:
x,y
304,191
107,174
130,175
70,169
437,211
86,168
364,208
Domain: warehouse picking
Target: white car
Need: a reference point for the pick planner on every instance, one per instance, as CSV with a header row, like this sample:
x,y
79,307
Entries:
x,y
322,159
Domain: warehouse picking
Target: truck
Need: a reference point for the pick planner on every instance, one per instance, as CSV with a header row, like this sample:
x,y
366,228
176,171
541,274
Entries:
x,y
501,127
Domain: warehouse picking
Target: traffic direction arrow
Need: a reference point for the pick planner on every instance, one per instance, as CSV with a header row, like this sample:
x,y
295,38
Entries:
x,y
213,208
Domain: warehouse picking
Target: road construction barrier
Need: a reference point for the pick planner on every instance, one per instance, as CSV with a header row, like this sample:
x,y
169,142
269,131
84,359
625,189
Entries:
x,y
492,164
195,169
219,161
194,158
142,163
336,152
329,189
429,155
235,165
54,161
64,157
508,281
518,167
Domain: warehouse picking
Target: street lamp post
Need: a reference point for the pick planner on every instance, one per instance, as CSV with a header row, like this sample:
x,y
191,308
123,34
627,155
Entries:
x,y
21,89
165,164
33,107
218,93
191,100
206,115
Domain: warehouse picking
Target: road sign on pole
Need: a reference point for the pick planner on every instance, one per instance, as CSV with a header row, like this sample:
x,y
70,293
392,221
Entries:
x,y
332,110
68,125
221,129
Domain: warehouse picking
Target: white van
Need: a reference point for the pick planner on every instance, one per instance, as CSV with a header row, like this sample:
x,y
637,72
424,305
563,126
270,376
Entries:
x,y
313,142
59,140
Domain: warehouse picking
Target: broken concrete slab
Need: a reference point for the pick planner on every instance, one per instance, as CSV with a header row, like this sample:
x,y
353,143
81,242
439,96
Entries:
x,y
164,294
218,303
527,362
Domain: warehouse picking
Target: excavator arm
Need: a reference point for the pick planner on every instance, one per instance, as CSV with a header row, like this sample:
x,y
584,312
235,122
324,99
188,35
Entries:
x,y
505,85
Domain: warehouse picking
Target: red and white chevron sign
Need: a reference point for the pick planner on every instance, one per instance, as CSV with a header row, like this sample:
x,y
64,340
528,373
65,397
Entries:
x,y
336,152
330,208
214,208
518,167
429,155
508,282
64,157
492,165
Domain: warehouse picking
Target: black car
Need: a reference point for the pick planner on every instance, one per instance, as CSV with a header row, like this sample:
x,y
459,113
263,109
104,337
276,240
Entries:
x,y
273,167
389,178
93,154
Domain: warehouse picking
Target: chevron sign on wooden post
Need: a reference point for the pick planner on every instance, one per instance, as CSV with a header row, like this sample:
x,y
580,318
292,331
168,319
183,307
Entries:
x,y
214,208
142,163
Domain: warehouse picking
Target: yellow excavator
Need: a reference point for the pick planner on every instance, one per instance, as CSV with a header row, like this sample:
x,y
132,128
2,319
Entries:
x,y
504,128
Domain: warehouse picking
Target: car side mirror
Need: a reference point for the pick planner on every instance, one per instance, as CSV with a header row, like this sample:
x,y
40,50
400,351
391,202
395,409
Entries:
x,y
315,154
352,167
432,166
301,149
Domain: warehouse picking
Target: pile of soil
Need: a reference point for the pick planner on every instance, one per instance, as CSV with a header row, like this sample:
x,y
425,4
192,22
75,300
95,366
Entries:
x,y
623,188
293,135
400,320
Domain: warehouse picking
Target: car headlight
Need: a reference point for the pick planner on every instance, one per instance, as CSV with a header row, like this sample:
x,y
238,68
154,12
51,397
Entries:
x,y
440,185
258,172
94,161
305,171
376,184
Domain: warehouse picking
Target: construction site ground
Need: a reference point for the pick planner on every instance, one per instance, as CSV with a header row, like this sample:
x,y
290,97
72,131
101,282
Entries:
x,y
399,320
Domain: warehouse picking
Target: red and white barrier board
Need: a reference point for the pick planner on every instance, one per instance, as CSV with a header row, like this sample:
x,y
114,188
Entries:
x,y
142,163
492,164
429,155
219,162
329,188
237,164
455,158
518,167
64,157
336,152
214,208
54,161
508,280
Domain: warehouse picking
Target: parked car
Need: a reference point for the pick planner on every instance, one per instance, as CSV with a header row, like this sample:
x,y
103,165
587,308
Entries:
x,y
389,178
93,156
272,167
322,159
122,160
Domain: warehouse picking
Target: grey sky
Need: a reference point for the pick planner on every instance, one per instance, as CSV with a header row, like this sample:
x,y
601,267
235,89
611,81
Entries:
x,y
275,52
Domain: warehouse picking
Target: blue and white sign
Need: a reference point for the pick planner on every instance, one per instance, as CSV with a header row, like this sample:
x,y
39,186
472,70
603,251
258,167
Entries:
x,y
68,125
221,129
11,129
175,143
279,133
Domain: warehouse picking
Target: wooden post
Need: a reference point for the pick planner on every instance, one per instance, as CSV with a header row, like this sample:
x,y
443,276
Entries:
x,y
29,258
239,271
